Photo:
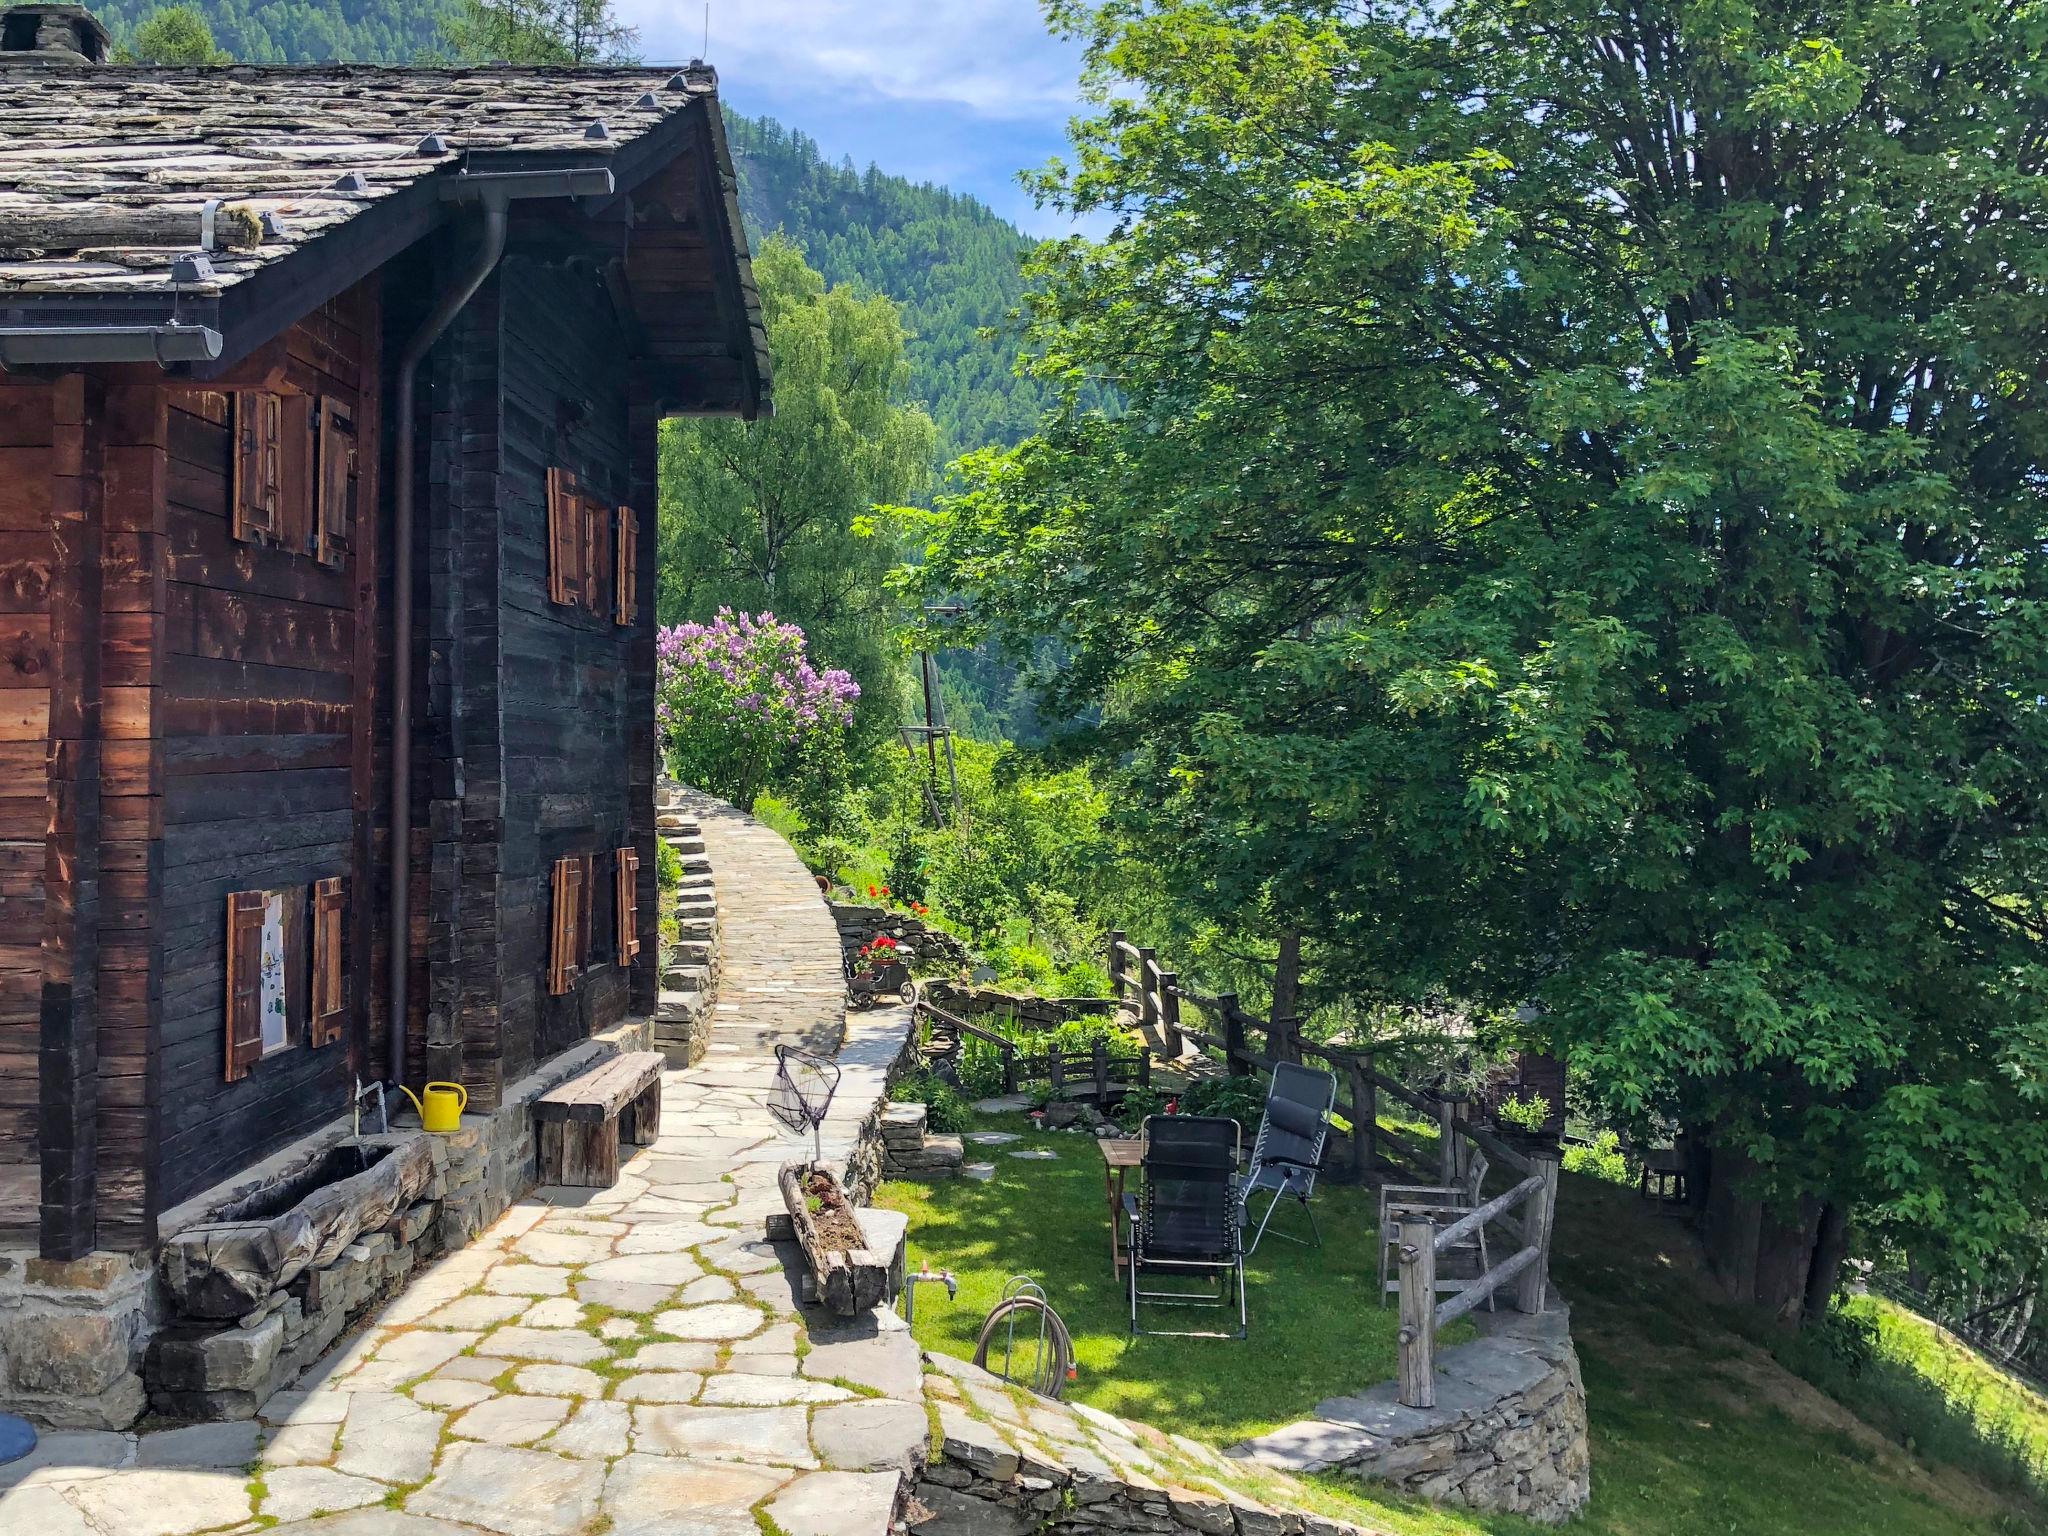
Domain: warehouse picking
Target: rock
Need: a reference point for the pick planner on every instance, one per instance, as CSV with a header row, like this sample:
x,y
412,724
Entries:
x,y
777,1436
975,1445
230,1359
199,1447
871,1435
516,1492
298,1493
163,1503
76,1354
597,1429
511,1420
939,1511
835,1504
644,1496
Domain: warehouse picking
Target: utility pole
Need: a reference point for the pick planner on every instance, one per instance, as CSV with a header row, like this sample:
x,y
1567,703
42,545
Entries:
x,y
935,731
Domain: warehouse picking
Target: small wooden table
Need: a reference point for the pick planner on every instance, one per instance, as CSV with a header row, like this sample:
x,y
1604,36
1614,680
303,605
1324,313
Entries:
x,y
1663,1175
1119,1157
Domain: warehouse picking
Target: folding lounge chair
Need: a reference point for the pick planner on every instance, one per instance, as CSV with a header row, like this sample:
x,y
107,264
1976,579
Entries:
x,y
1185,1219
1289,1149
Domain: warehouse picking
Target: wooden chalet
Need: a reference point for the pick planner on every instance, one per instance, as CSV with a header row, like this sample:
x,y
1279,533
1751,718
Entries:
x,y
328,414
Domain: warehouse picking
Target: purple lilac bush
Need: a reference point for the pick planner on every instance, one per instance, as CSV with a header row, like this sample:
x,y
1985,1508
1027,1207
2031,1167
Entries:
x,y
740,706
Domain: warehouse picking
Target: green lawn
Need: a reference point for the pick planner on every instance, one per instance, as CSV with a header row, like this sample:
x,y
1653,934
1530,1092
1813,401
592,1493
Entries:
x,y
1696,1429
1316,1330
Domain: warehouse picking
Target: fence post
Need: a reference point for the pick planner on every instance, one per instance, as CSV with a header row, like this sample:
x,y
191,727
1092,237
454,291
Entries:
x,y
1418,1313
1144,1068
1233,1035
1116,964
1446,1142
1009,1069
1101,1065
1148,973
1169,1012
1362,1117
1055,1064
1539,1212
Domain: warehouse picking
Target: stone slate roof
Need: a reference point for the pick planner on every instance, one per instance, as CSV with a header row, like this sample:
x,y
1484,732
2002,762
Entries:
x,y
106,173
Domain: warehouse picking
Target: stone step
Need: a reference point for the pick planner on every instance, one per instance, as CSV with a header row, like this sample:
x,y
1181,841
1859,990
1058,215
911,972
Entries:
x,y
692,952
685,844
698,930
685,978
696,864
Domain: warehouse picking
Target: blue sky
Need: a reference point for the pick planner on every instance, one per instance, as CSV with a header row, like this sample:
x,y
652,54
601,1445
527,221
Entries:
x,y
961,92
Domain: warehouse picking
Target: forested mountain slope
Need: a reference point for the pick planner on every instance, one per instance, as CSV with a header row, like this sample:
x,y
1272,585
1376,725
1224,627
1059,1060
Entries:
x,y
302,31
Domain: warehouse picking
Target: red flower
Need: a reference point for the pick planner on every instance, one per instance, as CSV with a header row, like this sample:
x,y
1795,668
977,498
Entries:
x,y
871,890
885,890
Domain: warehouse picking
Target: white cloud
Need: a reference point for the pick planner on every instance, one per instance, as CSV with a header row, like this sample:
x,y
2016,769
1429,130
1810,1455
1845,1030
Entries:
x,y
990,57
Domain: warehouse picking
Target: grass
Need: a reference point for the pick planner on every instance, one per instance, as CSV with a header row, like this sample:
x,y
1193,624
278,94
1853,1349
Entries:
x,y
1311,1337
1697,1430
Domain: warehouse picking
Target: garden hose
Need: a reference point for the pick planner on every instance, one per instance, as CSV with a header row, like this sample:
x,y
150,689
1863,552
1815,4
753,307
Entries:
x,y
1055,1344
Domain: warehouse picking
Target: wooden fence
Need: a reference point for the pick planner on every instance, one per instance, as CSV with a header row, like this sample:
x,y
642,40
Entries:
x,y
1100,1067
1137,978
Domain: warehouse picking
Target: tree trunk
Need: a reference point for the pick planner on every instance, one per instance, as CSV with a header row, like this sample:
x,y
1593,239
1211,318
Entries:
x,y
1764,1258
1830,1248
1280,1029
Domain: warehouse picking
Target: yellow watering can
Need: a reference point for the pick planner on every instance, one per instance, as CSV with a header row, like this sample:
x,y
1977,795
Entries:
x,y
444,1105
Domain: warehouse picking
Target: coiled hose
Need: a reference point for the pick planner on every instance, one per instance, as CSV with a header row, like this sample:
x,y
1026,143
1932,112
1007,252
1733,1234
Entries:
x,y
1055,1363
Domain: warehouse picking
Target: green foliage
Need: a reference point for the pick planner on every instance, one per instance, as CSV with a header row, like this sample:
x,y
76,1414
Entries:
x,y
1528,1114
668,866
1138,1105
176,34
562,33
1927,1391
294,31
1604,1159
947,1113
1623,537
979,1069
1242,1099
779,514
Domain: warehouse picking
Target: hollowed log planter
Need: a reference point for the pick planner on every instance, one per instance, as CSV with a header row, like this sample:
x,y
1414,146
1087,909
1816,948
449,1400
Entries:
x,y
227,1267
846,1280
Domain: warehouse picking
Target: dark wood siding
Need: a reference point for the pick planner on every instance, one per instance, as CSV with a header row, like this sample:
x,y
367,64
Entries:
x,y
265,778
27,560
533,712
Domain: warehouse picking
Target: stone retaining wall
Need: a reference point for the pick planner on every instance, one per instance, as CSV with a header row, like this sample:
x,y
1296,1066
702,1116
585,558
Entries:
x,y
1031,1012
858,925
692,965
1009,1463
1507,1434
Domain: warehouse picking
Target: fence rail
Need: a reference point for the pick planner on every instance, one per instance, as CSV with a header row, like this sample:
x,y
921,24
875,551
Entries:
x,y
1137,979
1099,1066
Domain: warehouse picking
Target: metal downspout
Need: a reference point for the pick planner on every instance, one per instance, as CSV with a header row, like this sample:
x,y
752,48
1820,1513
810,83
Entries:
x,y
489,251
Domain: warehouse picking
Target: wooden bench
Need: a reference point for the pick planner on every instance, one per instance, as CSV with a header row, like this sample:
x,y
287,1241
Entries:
x,y
582,1123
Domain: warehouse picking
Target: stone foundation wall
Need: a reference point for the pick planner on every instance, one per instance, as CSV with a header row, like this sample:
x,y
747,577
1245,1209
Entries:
x,y
94,1343
1031,1012
1507,1434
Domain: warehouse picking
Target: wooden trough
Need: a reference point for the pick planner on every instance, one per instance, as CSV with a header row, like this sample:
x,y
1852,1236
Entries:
x,y
844,1279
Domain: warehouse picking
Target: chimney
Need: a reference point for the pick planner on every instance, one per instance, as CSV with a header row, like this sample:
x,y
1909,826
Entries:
x,y
52,34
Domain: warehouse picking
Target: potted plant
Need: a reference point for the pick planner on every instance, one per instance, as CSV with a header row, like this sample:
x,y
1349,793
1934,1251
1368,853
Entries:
x,y
879,969
1526,1117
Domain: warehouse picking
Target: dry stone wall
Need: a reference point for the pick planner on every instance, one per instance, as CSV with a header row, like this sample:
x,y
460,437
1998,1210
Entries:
x,y
1507,1434
692,965
1008,1463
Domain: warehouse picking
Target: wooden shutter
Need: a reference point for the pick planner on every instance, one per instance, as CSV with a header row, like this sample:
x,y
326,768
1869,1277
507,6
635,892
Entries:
x,y
258,466
586,929
628,904
626,600
245,983
329,909
334,515
296,473
597,539
565,539
566,918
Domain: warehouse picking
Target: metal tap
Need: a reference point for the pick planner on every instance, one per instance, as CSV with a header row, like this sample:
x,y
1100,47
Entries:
x,y
363,1091
925,1276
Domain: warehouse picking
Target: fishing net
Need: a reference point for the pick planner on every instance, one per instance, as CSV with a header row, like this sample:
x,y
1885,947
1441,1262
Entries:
x,y
802,1093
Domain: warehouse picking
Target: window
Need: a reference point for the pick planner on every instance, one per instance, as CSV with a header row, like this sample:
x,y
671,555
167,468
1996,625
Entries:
x,y
582,561
294,473
285,987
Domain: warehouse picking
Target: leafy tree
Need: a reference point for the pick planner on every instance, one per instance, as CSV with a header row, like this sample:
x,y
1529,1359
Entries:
x,y
566,33
177,34
781,513
297,31
1576,535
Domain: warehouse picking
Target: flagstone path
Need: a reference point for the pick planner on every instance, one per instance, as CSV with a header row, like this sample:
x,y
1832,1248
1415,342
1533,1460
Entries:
x,y
631,1360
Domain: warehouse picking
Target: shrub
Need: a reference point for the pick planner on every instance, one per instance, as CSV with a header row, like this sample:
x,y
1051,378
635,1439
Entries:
x,y
1242,1099
668,866
946,1111
1604,1159
980,1069
1137,1105
1528,1113
741,707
